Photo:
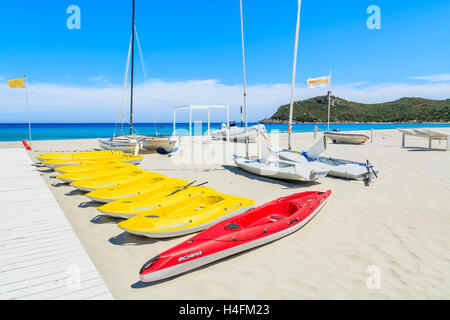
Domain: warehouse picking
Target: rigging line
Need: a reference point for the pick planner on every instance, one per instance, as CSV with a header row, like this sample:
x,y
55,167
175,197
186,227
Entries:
x,y
144,68
124,86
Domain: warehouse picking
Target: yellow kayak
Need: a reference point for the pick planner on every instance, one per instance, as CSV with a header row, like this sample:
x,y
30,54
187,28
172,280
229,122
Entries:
x,y
91,166
149,202
146,185
72,162
113,180
97,172
187,216
71,155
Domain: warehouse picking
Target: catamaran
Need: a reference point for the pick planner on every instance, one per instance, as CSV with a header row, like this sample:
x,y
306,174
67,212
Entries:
x,y
237,134
132,143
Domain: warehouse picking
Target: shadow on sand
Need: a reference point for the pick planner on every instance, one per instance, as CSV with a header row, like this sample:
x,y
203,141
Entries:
x,y
88,204
75,192
285,183
60,184
129,239
415,149
104,219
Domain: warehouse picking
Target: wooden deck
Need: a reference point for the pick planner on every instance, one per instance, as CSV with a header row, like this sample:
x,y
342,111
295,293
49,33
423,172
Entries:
x,y
40,255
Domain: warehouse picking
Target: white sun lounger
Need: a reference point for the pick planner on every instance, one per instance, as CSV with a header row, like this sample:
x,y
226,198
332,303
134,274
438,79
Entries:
x,y
430,134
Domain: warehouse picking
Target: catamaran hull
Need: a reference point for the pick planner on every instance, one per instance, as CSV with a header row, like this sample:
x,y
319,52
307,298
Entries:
x,y
125,146
238,134
346,138
199,262
163,145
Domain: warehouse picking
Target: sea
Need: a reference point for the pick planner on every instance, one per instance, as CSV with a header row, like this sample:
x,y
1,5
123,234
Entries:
x,y
62,131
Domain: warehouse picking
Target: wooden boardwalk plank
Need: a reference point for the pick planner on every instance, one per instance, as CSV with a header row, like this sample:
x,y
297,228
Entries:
x,y
41,257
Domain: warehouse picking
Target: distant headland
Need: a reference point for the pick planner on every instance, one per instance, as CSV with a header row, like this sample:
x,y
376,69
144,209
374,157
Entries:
x,y
315,110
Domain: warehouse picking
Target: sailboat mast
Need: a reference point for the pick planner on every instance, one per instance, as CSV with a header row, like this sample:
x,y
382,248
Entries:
x,y
244,80
291,109
132,71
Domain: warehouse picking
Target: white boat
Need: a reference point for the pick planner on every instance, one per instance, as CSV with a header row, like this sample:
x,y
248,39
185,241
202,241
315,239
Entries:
x,y
160,144
285,170
336,167
238,134
348,138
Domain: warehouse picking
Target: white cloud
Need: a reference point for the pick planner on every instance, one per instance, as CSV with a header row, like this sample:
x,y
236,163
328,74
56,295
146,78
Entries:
x,y
355,84
100,79
433,78
101,103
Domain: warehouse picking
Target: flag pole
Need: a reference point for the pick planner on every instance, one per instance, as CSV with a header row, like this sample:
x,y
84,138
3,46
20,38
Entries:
x,y
28,109
293,75
329,100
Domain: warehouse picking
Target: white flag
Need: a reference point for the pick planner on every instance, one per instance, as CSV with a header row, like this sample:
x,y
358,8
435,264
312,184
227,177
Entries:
x,y
319,82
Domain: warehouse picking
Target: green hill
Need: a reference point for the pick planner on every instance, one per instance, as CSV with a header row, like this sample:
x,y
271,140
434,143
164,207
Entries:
x,y
402,110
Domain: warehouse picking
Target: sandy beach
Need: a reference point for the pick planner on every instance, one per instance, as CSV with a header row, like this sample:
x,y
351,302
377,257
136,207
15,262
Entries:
x,y
398,225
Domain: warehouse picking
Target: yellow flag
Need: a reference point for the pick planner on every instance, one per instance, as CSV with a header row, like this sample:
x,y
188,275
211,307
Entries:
x,y
17,83
319,82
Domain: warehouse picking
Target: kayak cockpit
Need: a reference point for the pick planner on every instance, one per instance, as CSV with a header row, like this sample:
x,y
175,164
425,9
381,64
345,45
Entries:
x,y
270,214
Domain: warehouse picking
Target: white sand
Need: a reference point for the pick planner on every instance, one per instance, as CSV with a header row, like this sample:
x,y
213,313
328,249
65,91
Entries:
x,y
400,224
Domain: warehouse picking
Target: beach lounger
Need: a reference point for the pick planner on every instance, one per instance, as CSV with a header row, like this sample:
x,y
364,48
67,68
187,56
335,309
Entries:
x,y
443,135
430,134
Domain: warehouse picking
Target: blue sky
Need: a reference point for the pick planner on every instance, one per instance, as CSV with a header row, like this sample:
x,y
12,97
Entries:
x,y
194,47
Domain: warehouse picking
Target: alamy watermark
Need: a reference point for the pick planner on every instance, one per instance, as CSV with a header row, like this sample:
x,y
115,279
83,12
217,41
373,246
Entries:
x,y
374,280
201,148
73,280
74,20
374,20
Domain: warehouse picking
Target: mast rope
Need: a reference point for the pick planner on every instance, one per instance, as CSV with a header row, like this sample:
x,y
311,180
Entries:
x,y
144,68
124,86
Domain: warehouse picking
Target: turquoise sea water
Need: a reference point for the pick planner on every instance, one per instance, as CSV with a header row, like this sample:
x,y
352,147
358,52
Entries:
x,y
56,131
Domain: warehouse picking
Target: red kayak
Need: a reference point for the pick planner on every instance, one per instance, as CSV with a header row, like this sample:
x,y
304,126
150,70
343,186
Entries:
x,y
253,228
